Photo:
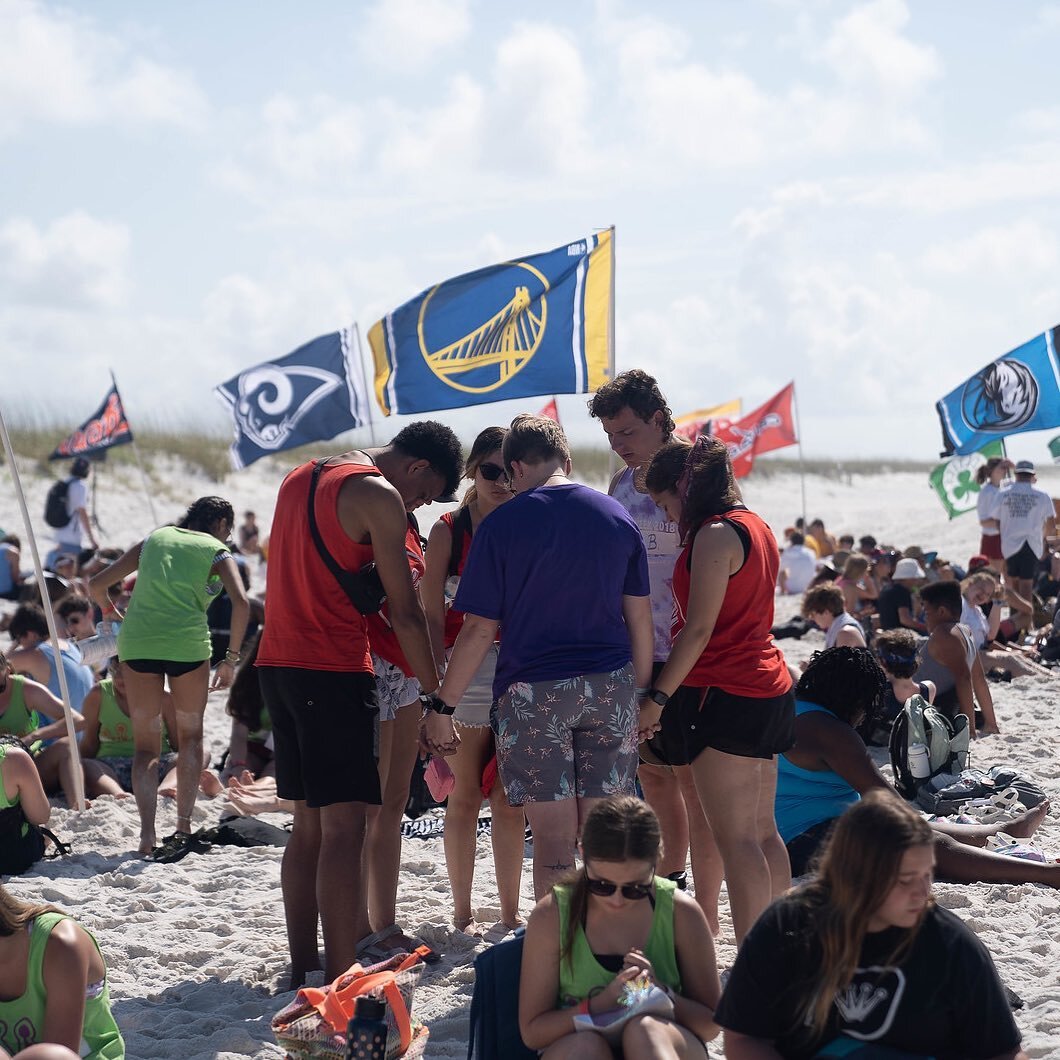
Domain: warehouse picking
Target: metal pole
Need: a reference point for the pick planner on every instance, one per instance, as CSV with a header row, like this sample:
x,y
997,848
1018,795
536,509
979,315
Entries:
x,y
53,633
802,466
611,458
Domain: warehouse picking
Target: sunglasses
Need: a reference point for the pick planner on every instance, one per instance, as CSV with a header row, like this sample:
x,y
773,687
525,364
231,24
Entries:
x,y
605,888
491,472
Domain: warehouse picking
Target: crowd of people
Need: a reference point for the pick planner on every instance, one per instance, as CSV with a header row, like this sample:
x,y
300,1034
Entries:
x,y
603,670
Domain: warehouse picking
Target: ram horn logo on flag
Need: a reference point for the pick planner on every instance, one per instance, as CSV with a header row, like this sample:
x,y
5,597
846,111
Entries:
x,y
104,429
770,426
1018,392
692,424
537,325
271,402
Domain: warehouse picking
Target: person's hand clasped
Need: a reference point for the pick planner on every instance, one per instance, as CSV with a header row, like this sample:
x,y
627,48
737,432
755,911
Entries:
x,y
438,735
650,719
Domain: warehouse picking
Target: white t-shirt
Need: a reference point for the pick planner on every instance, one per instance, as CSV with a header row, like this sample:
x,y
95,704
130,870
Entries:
x,y
985,505
76,498
976,621
1022,510
801,565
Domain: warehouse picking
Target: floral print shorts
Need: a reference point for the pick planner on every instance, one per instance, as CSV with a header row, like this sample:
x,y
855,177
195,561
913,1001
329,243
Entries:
x,y
575,737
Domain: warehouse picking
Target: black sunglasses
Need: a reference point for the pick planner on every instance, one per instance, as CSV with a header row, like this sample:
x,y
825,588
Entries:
x,y
491,472
605,888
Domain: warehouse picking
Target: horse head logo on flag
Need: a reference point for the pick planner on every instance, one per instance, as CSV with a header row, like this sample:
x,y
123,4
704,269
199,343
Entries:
x,y
1001,398
476,355
272,399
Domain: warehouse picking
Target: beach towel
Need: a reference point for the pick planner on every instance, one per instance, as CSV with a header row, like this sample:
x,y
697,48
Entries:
x,y
494,1032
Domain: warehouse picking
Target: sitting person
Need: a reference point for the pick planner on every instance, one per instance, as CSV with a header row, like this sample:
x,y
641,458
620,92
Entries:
x,y
896,652
250,741
859,590
829,769
797,565
981,613
949,659
862,954
52,971
10,567
22,804
895,602
595,933
823,605
34,656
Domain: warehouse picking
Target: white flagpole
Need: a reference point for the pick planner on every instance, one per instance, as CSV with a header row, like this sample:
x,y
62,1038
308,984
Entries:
x,y
611,458
802,466
364,377
136,453
71,732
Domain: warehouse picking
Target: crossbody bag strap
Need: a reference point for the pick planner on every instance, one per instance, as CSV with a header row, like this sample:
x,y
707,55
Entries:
x,y
330,562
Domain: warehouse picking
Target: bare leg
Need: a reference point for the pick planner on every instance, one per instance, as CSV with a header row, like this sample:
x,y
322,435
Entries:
x,y
461,818
144,692
298,880
341,895
100,780
976,835
964,864
383,848
53,765
768,836
555,828
708,869
508,835
662,792
189,698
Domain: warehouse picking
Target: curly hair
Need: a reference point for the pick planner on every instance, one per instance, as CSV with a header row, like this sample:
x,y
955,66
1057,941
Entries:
x,y
635,390
206,511
896,650
701,475
434,442
846,681
824,597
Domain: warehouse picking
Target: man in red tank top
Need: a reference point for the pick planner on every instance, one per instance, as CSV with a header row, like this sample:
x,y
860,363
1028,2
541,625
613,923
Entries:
x,y
316,673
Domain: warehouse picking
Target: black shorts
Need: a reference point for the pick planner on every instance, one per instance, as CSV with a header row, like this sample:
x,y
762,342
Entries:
x,y
804,848
1024,564
164,667
325,727
698,718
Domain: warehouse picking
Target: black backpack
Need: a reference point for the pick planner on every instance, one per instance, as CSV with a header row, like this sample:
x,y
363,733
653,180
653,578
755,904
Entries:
x,y
56,514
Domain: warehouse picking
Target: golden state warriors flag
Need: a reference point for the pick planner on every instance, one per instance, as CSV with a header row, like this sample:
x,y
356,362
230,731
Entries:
x,y
311,394
528,327
1018,392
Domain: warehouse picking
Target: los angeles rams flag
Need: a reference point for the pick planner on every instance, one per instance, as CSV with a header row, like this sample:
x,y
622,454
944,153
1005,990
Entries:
x,y
537,325
307,396
1018,392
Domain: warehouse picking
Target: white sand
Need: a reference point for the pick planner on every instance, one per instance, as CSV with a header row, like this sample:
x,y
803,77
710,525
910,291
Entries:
x,y
196,950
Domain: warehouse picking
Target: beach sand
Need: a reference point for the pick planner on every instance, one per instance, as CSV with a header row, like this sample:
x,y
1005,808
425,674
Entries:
x,y
196,950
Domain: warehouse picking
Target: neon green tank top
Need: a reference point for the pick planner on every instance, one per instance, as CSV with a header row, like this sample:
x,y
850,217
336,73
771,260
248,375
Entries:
x,y
5,802
166,618
115,726
22,1020
17,719
583,972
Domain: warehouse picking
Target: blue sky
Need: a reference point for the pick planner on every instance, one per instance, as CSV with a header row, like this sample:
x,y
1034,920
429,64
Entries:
x,y
860,196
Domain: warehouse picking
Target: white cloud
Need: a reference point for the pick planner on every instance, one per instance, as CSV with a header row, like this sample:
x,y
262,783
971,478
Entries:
x,y
409,34
77,261
56,66
997,254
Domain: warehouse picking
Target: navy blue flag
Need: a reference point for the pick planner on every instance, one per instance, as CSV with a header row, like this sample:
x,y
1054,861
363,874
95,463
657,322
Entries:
x,y
1018,392
310,395
104,429
534,326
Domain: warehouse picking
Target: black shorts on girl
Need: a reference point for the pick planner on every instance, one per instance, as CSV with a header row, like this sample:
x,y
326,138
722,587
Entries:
x,y
166,667
736,725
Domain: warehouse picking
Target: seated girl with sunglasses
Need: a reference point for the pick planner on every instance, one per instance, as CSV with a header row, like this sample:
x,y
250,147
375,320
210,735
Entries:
x,y
608,930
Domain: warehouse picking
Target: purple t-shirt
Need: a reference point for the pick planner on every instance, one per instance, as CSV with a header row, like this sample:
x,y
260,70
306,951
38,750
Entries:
x,y
552,566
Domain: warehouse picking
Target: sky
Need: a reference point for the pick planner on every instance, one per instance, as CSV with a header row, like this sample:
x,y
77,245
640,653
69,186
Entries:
x,y
860,196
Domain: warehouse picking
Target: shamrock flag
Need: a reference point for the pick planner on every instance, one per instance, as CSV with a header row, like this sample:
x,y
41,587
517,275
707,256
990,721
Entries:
x,y
1054,449
954,481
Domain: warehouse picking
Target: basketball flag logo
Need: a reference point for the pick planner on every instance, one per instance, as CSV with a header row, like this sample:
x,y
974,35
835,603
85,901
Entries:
x,y
308,396
533,326
1018,392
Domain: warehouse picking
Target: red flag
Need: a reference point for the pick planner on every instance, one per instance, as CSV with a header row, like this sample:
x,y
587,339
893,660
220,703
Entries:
x,y
771,426
550,412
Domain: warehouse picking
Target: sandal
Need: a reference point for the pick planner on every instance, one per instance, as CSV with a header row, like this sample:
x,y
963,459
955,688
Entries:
x,y
177,846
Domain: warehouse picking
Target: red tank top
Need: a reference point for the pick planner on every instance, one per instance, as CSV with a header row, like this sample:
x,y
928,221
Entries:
x,y
381,636
454,620
740,657
310,623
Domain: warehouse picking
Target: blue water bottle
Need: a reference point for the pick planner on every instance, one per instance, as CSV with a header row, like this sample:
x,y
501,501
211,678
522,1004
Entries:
x,y
367,1031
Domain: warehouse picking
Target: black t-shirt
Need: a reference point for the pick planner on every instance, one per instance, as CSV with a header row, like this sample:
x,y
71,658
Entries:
x,y
892,598
944,1000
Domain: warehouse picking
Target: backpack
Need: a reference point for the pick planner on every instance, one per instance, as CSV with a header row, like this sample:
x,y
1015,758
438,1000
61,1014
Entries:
x,y
946,741
494,1031
56,514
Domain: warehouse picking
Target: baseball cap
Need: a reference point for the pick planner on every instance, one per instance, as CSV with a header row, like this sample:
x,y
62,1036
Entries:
x,y
976,562
80,468
1025,467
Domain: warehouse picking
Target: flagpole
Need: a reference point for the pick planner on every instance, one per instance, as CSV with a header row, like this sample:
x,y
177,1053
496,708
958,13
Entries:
x,y
364,379
139,462
802,466
53,633
611,458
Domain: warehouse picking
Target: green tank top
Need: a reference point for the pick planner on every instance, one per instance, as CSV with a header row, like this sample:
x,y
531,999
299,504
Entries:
x,y
22,1020
166,618
5,802
17,719
579,976
115,726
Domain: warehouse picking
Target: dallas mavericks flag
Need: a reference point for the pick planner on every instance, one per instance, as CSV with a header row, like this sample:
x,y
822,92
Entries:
x,y
1016,393
307,396
525,328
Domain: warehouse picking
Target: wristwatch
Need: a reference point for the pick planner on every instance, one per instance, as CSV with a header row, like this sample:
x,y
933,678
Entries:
x,y
658,697
432,701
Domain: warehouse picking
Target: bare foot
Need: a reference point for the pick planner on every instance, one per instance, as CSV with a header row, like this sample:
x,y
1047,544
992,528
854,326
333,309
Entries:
x,y
209,783
168,792
1024,826
147,843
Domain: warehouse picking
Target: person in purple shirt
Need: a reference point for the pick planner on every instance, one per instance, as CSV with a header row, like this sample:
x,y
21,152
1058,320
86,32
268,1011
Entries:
x,y
562,569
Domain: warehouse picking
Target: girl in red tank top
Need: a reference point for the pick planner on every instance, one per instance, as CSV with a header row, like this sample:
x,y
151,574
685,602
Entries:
x,y
726,681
